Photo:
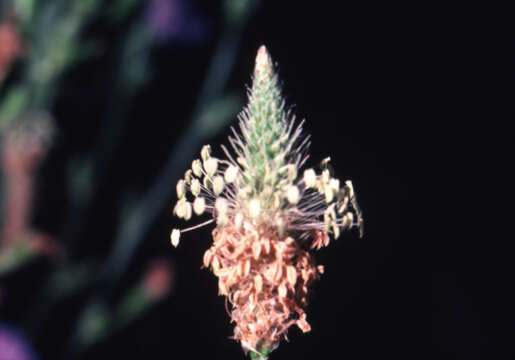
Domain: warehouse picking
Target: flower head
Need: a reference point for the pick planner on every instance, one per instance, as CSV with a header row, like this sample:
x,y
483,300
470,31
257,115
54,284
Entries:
x,y
268,212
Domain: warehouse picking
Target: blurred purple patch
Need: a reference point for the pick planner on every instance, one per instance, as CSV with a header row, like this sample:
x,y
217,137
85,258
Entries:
x,y
172,21
13,345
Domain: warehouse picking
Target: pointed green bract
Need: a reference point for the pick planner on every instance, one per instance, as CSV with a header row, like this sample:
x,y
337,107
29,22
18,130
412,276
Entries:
x,y
267,132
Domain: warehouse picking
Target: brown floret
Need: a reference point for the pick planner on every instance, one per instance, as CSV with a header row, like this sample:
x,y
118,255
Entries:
x,y
265,278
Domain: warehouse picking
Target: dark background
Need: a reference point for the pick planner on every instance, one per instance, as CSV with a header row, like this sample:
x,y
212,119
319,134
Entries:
x,y
376,84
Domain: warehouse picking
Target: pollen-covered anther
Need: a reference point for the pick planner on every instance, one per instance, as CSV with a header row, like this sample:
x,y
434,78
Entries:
x,y
218,185
334,184
230,174
254,208
187,176
199,205
205,152
208,184
196,167
347,220
211,165
293,194
310,178
350,188
195,187
175,236
181,189
221,208
343,205
238,221
326,176
336,229
329,194
183,209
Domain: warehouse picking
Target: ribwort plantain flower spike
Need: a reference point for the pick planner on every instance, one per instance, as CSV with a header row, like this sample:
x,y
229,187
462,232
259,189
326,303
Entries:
x,y
269,214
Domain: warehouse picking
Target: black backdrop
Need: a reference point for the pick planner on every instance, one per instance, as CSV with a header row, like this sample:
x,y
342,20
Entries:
x,y
375,83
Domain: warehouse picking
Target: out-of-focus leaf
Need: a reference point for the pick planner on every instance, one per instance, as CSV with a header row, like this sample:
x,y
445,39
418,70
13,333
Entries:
x,y
217,114
14,256
69,279
236,11
80,175
135,303
11,106
86,50
93,325
120,9
25,11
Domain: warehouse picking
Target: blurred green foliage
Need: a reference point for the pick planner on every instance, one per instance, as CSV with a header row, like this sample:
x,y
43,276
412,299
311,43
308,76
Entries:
x,y
54,41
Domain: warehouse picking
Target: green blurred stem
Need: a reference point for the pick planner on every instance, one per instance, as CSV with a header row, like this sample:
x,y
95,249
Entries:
x,y
130,76
136,225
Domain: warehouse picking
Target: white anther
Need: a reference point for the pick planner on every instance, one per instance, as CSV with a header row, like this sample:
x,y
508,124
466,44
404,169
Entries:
x,y
329,194
207,183
334,184
199,205
336,229
222,220
187,176
325,161
205,153
293,194
183,210
343,206
254,208
238,221
221,206
230,174
195,187
325,176
175,236
196,166
310,178
210,165
179,209
180,189
348,183
218,185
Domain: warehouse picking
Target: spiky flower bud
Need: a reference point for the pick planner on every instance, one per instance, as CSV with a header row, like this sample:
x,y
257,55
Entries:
x,y
267,217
